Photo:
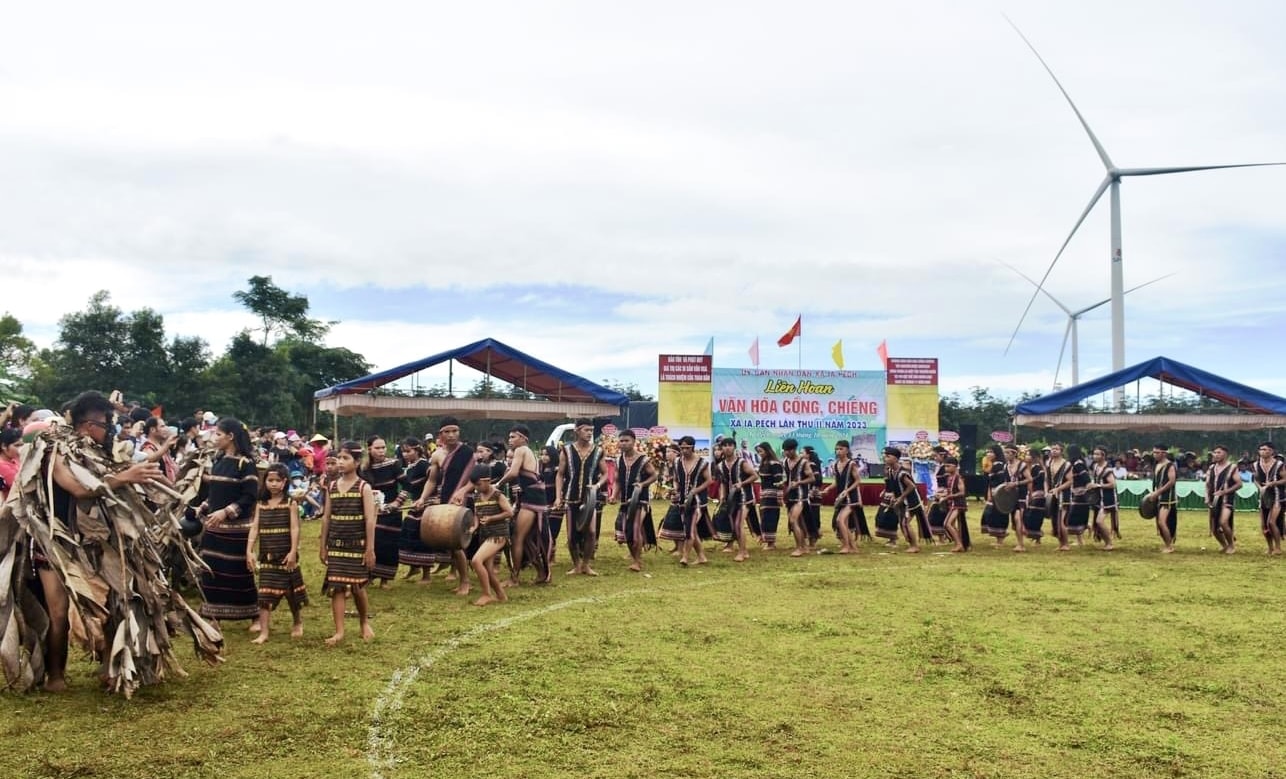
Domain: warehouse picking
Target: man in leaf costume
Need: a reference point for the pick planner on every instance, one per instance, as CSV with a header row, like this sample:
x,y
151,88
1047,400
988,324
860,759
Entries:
x,y
84,545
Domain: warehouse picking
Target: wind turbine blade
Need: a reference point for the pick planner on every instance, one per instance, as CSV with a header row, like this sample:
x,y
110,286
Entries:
x,y
1105,301
1148,283
1032,281
1191,168
1062,350
1040,287
1098,147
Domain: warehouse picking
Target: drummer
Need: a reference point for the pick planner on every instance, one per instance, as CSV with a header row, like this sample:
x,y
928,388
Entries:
x,y
903,498
1222,484
448,482
1019,479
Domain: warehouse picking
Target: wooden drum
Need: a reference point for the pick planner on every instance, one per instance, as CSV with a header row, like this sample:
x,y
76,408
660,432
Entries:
x,y
447,526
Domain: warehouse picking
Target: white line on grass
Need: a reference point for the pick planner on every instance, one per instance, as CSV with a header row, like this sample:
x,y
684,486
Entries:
x,y
379,746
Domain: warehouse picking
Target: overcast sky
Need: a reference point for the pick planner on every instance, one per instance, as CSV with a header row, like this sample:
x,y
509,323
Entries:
x,y
596,183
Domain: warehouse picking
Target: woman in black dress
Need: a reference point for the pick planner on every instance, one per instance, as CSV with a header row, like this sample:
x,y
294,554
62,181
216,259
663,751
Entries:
x,y
228,495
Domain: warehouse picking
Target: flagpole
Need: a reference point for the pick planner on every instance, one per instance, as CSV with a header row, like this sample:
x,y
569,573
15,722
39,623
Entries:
x,y
800,319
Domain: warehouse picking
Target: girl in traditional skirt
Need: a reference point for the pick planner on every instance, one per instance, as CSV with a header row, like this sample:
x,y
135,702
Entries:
x,y
494,514
348,540
1033,503
276,527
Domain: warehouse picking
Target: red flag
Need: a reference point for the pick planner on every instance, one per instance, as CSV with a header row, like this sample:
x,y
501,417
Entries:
x,y
754,352
794,332
883,352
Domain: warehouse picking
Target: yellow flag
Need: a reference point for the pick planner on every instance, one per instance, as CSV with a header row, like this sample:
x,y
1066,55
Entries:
x,y
837,354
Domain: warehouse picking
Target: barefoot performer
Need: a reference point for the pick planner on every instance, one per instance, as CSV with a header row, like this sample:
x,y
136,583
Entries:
x,y
1270,475
799,475
1164,477
901,499
494,526
276,528
413,479
848,499
995,523
532,542
582,474
348,541
771,473
384,474
632,488
954,499
1222,483
688,521
448,482
735,476
1104,483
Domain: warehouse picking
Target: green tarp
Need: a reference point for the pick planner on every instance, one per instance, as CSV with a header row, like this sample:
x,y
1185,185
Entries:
x,y
1192,494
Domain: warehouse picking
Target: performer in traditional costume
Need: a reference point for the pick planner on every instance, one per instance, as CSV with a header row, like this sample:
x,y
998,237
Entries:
x,y
848,499
348,541
735,476
900,502
582,474
1270,475
938,505
799,477
1033,503
384,475
954,498
1076,488
1164,478
495,527
554,514
813,504
994,523
276,528
532,541
80,540
635,476
1017,478
448,482
230,492
415,474
1056,473
1222,483
687,522
771,473
1103,498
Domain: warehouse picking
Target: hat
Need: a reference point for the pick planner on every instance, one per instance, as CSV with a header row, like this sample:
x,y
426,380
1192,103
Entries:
x,y
318,439
292,437
278,435
209,418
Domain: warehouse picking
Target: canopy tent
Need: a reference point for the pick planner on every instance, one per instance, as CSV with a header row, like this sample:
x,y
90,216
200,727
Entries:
x,y
561,395
1258,409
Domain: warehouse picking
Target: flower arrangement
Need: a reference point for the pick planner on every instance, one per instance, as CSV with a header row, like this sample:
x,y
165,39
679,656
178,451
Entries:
x,y
920,450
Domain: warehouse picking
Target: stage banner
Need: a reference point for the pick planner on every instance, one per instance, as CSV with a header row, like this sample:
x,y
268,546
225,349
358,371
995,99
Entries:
x,y
683,397
912,399
817,408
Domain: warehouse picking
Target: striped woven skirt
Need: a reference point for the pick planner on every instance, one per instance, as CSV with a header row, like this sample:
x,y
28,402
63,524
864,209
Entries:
x,y
229,586
388,532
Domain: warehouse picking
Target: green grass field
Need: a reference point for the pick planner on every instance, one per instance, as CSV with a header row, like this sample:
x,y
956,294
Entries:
x,y
991,664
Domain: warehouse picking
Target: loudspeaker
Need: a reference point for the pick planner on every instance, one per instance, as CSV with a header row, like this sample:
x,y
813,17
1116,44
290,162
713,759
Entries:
x,y
968,437
968,460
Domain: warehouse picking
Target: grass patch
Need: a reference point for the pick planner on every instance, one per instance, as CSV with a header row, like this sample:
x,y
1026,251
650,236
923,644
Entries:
x,y
990,664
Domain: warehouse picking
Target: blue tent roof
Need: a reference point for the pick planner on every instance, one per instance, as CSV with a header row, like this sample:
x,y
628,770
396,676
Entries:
x,y
501,361
1238,396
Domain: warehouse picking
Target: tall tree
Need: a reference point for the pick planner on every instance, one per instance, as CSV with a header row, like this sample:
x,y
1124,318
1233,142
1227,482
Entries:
x,y
17,357
91,352
279,311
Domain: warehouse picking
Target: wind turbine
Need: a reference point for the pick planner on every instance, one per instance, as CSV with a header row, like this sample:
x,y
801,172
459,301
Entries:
x,y
1073,318
1111,181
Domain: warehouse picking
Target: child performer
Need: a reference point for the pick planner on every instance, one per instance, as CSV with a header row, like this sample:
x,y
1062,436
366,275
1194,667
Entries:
x,y
348,540
276,527
494,513
954,492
